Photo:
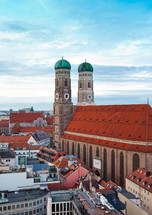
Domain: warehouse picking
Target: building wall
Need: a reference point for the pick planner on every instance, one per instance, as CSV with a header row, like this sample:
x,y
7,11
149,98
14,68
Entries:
x,y
144,195
131,207
8,161
37,206
19,180
128,158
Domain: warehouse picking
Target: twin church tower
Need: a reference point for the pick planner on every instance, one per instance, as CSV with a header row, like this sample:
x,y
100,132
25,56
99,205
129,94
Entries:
x,y
63,106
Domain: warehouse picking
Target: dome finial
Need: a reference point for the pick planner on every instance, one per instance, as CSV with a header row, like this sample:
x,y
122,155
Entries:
x,y
85,60
62,57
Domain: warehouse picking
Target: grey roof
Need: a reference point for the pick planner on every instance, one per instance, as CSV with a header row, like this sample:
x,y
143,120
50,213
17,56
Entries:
x,y
115,202
61,196
128,194
7,153
25,195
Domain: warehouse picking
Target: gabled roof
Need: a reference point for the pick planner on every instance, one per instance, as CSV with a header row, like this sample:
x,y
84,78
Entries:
x,y
142,178
4,123
17,141
31,129
25,117
130,122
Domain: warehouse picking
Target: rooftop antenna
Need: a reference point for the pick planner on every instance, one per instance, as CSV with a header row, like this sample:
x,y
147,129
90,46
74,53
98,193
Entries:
x,y
147,100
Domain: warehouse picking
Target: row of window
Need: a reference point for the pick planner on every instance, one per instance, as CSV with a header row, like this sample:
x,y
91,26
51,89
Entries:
x,y
62,72
23,205
89,84
63,213
61,207
85,74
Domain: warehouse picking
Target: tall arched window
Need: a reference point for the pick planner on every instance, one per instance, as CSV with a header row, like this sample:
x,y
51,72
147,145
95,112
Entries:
x,y
80,85
113,166
121,169
135,162
62,145
89,85
78,150
68,147
97,152
90,156
73,148
66,82
84,153
105,164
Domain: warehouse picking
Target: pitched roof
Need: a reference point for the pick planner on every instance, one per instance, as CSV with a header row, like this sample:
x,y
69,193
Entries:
x,y
4,123
130,122
17,141
49,120
111,144
25,117
141,177
31,129
7,153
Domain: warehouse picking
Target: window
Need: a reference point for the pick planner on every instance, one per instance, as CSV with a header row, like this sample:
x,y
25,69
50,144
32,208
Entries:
x,y
30,204
80,85
97,152
22,205
9,207
34,203
73,148
84,153
53,207
62,145
113,166
17,206
135,162
105,164
89,85
90,155
78,150
121,169
13,206
68,147
66,82
37,202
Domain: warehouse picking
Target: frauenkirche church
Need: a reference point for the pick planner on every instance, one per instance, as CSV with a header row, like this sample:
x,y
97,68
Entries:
x,y
113,140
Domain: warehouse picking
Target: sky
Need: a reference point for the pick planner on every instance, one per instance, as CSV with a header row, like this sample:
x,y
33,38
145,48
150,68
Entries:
x,y
115,36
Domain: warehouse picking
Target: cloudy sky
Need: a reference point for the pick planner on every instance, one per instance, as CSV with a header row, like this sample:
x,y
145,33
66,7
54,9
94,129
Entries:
x,y
115,36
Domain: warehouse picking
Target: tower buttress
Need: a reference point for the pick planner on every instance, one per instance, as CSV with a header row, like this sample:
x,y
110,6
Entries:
x,y
63,106
85,85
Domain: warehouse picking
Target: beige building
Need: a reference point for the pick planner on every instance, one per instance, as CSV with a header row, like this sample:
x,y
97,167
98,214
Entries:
x,y
139,183
133,206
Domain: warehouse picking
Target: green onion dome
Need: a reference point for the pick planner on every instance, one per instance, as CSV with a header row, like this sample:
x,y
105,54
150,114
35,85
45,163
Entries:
x,y
62,64
83,67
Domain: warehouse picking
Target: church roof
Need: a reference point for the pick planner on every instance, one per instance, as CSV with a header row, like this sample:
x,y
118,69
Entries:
x,y
62,64
85,67
127,122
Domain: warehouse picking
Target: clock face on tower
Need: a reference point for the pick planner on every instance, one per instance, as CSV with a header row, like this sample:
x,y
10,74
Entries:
x,y
89,96
66,96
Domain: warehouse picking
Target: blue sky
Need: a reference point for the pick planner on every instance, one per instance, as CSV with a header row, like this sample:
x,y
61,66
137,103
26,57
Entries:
x,y
115,36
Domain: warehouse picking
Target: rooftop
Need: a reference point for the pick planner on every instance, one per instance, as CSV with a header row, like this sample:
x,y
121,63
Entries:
x,y
129,122
24,195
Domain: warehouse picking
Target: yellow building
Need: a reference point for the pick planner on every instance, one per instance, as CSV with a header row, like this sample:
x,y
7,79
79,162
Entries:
x,y
139,183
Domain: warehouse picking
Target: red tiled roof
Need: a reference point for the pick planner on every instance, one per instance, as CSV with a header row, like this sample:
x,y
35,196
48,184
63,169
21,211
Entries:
x,y
49,120
111,144
17,141
143,175
4,123
131,122
54,186
31,129
25,117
